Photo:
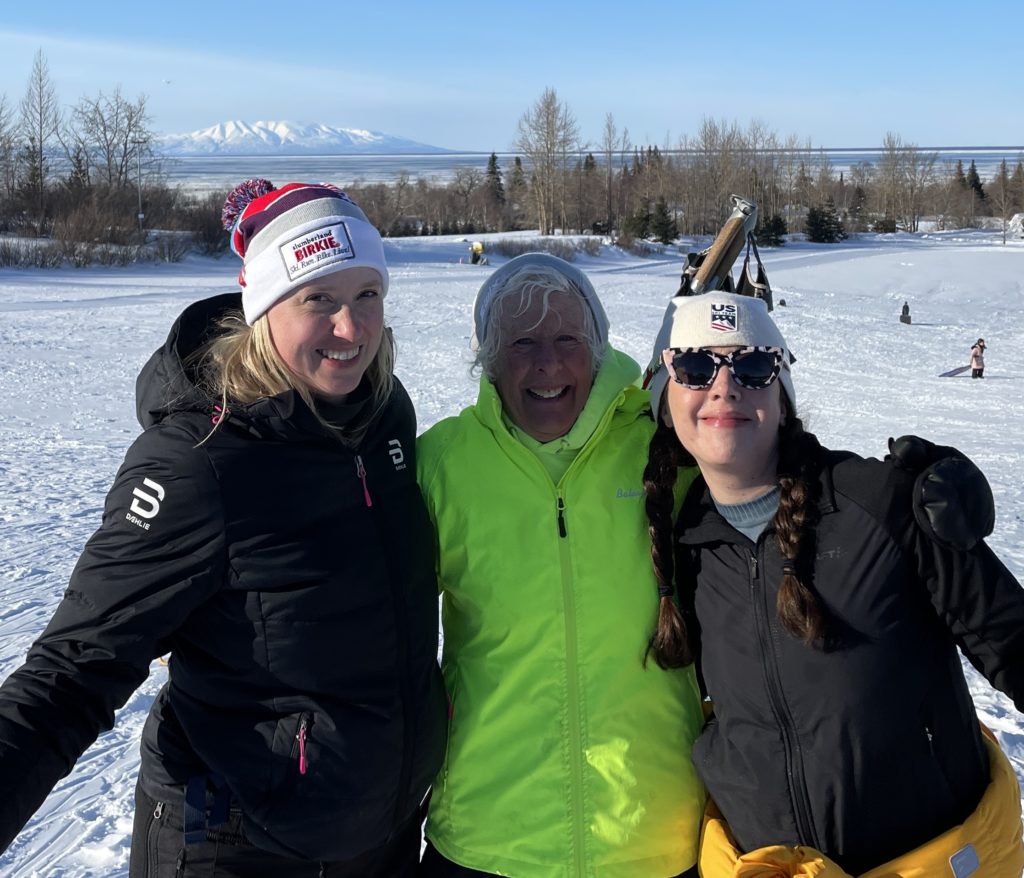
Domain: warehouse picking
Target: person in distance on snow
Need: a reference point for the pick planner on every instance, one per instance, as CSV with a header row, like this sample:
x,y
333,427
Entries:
x,y
266,529
825,595
978,359
566,755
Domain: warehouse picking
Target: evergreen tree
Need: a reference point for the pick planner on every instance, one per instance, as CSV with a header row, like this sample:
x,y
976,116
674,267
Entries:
x,y
1017,186
515,194
638,224
959,176
823,225
974,181
495,187
858,209
77,180
771,232
32,171
518,180
662,225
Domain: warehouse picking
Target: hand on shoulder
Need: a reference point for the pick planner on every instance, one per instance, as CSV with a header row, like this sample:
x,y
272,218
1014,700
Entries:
x,y
952,499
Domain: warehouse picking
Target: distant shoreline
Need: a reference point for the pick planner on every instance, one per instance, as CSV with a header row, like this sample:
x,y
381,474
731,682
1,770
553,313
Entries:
x,y
477,154
219,173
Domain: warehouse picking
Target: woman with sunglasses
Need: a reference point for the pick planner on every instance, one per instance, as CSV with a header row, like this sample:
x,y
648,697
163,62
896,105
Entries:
x,y
824,607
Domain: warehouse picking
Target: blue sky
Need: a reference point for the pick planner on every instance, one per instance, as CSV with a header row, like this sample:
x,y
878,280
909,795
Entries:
x,y
459,74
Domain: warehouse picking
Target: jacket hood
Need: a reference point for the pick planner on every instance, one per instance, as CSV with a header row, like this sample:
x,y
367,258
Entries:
x,y
169,380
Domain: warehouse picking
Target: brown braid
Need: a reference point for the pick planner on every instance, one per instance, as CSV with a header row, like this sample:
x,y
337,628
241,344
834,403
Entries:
x,y
670,642
799,609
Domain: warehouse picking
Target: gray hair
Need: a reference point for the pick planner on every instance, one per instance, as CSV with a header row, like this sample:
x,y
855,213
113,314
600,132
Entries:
x,y
523,287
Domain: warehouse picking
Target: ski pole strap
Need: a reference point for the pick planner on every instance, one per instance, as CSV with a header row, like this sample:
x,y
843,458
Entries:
x,y
197,821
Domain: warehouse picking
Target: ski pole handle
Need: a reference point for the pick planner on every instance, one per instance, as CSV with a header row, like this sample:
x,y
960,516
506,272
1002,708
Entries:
x,y
726,247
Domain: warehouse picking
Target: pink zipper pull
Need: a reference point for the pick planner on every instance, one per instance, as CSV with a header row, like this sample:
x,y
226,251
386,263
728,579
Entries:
x,y
303,764
361,472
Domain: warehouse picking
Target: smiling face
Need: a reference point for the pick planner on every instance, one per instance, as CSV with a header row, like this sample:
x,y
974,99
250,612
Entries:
x,y
328,331
731,431
544,368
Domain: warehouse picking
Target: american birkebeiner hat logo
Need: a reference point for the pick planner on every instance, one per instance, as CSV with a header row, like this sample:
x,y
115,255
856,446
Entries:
x,y
316,249
723,317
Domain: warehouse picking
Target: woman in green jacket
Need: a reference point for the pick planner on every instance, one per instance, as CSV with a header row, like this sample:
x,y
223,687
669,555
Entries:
x,y
567,755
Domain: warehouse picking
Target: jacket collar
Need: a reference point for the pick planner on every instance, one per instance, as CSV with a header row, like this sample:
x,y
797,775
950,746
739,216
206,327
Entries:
x,y
700,522
614,392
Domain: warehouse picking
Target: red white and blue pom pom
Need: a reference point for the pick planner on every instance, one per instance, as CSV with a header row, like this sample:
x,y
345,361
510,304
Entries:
x,y
240,197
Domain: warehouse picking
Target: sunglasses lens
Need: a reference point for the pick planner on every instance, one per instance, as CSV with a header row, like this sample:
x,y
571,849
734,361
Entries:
x,y
694,368
755,369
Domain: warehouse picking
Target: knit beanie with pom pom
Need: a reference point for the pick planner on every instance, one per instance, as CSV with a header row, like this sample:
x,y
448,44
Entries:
x,y
290,236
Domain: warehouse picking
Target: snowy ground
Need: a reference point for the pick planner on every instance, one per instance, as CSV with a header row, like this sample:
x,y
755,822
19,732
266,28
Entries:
x,y
71,342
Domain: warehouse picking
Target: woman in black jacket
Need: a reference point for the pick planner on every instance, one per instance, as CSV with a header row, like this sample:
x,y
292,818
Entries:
x,y
824,596
266,530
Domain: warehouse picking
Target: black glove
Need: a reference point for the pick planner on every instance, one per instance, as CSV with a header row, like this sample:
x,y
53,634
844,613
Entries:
x,y
953,502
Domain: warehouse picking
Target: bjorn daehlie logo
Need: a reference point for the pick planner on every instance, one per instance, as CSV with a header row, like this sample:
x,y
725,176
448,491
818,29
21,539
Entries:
x,y
397,455
145,503
316,249
723,318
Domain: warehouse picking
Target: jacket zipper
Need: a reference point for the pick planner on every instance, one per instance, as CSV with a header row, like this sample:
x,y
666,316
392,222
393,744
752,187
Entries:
x,y
151,838
574,726
361,472
409,730
575,722
776,697
300,736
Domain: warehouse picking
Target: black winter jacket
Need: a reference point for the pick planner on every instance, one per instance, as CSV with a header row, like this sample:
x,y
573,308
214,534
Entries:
x,y
871,746
301,620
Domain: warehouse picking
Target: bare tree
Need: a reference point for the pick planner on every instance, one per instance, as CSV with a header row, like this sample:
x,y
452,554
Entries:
x,y
39,122
8,151
110,132
466,181
916,179
887,176
546,133
609,142
1000,195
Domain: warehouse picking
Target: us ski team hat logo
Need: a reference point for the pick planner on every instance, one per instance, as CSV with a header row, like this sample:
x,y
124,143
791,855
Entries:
x,y
716,319
293,235
723,317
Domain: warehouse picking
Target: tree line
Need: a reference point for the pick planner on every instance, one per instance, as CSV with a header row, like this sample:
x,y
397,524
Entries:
x,y
90,176
646,191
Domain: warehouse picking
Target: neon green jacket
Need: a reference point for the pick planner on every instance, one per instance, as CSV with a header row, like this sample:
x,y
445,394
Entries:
x,y
566,757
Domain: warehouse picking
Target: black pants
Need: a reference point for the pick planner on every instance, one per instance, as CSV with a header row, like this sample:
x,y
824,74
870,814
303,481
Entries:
x,y
159,851
436,866
977,373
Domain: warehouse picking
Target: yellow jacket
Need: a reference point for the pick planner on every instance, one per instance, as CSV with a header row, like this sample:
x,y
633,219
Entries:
x,y
986,845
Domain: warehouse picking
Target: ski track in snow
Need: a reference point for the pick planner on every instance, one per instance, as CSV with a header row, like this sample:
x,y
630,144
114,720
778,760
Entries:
x,y
72,342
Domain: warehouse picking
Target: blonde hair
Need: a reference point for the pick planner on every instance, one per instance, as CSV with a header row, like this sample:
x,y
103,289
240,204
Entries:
x,y
241,366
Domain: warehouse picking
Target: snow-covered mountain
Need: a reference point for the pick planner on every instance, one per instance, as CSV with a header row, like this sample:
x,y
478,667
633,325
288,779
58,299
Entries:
x,y
289,138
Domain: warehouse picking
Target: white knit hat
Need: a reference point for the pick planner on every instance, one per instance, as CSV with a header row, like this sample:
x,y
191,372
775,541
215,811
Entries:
x,y
716,320
290,236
